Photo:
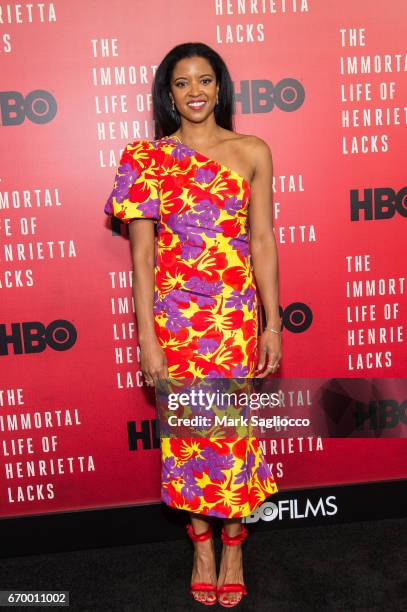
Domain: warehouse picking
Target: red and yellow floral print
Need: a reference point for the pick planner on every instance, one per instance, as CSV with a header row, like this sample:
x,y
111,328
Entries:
x,y
205,309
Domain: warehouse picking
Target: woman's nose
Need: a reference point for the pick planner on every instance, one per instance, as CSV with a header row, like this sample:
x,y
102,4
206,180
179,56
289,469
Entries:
x,y
195,88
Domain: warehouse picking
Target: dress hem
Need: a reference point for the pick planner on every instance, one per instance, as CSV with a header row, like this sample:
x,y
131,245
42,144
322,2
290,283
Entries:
x,y
216,514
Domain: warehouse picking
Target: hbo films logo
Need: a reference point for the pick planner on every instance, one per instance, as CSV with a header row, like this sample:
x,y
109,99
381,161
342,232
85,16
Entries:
x,y
34,337
39,106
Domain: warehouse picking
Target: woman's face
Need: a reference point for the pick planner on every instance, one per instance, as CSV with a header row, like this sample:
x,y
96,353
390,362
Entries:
x,y
194,88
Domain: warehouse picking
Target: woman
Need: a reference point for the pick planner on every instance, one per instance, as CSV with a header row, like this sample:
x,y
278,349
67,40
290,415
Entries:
x,y
197,310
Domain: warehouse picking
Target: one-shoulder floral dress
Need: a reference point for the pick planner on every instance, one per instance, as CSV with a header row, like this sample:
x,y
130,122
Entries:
x,y
205,309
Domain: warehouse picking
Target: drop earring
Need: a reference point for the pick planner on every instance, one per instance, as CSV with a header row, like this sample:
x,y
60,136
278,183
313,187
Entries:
x,y
217,99
173,105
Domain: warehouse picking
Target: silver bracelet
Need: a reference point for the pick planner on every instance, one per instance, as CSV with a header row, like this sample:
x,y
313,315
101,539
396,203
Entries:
x,y
273,330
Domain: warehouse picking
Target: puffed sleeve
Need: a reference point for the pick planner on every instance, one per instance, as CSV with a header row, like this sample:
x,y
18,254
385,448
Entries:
x,y
135,193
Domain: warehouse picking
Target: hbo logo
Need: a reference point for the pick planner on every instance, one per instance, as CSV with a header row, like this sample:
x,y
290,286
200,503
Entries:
x,y
39,107
34,337
262,96
296,317
379,203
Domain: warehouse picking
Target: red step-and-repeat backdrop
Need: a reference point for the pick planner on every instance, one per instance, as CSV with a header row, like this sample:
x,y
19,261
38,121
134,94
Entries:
x,y
324,84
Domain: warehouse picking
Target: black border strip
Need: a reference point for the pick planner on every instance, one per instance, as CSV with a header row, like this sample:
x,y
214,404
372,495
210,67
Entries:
x,y
121,526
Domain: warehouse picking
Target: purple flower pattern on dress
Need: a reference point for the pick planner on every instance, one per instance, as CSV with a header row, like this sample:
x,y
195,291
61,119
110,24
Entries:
x,y
150,208
180,151
203,175
203,300
241,244
186,227
169,467
237,299
212,463
125,178
191,488
240,371
166,498
264,471
245,473
206,288
208,213
207,345
213,374
233,205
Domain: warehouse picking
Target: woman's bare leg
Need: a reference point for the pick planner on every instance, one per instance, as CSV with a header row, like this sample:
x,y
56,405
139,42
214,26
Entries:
x,y
204,568
231,564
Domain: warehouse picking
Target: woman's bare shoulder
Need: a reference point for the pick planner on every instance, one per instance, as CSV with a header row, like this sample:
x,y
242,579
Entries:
x,y
249,143
257,145
257,151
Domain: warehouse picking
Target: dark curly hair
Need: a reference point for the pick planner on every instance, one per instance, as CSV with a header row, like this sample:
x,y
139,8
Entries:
x,y
168,121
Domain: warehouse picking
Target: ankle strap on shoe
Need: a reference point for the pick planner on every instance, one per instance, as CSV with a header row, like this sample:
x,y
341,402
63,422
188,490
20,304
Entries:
x,y
201,537
234,540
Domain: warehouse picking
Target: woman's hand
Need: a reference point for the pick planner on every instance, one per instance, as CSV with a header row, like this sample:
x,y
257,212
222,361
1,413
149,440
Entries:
x,y
270,347
153,362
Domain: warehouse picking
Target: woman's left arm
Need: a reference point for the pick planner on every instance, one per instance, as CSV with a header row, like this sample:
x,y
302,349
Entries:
x,y
263,251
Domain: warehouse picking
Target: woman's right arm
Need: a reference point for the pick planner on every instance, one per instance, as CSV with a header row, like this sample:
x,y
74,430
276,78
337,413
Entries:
x,y
153,363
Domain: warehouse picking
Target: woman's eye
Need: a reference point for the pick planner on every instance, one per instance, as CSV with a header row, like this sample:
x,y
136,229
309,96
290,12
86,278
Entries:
x,y
206,81
180,84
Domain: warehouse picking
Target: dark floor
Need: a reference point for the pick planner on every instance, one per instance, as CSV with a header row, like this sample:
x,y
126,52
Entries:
x,y
352,567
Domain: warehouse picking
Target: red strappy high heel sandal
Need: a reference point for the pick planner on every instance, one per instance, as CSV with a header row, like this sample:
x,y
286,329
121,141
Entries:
x,y
202,586
232,588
